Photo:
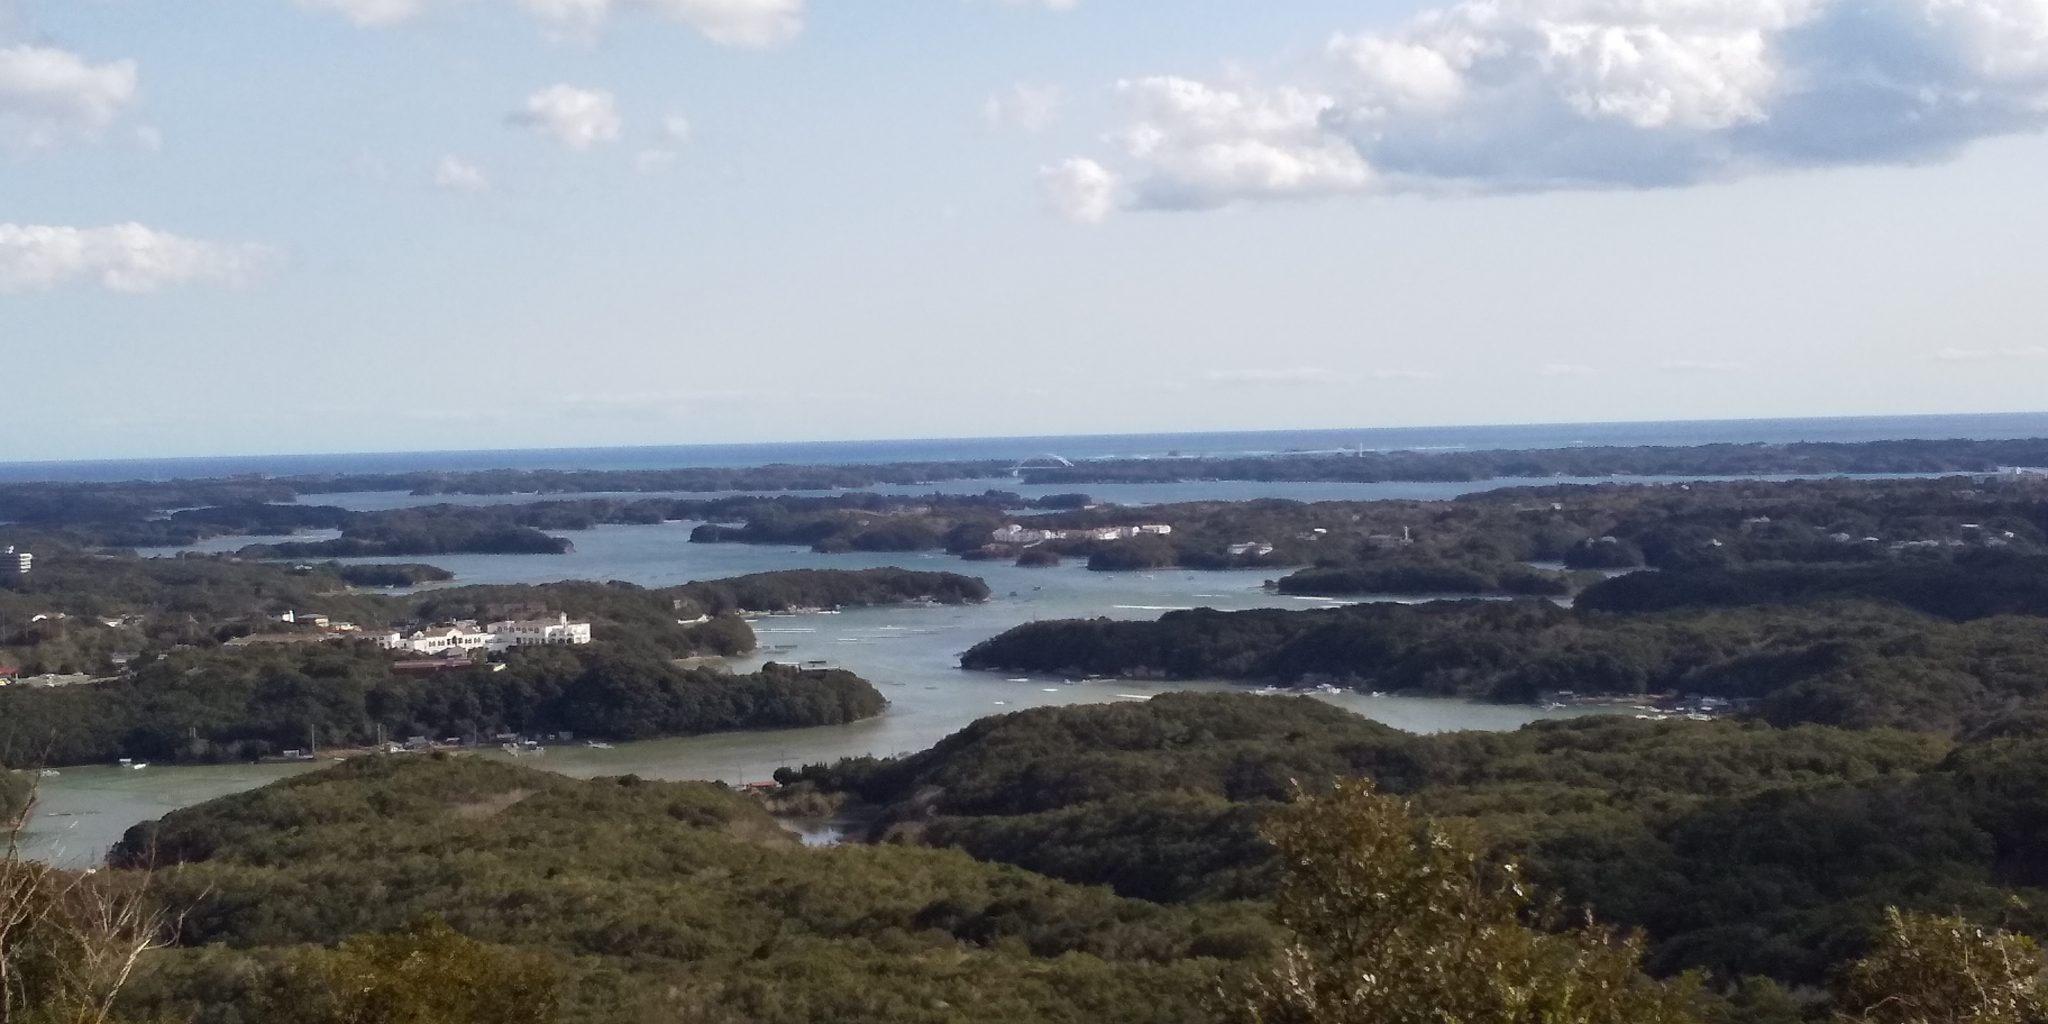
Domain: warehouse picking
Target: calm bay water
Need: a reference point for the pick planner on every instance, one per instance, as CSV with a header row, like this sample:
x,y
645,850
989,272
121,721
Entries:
x,y
911,654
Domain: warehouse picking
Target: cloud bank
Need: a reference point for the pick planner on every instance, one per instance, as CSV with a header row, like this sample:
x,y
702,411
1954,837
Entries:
x,y
1526,95
47,95
121,257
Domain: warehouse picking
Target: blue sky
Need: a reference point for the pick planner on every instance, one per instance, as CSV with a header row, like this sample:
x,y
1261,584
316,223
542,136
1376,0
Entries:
x,y
248,226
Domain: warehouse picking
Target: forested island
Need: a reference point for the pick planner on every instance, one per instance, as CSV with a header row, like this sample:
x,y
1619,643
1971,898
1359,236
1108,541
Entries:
x,y
241,705
1919,643
188,659
1175,860
1745,850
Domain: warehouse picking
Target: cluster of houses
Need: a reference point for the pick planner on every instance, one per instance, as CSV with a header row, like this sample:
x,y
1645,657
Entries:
x,y
466,636
1014,533
441,640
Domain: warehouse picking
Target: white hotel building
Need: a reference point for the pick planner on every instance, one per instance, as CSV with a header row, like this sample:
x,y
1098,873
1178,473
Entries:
x,y
465,636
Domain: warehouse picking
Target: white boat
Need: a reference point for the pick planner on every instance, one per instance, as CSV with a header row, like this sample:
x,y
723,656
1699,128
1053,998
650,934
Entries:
x,y
138,766
595,745
47,773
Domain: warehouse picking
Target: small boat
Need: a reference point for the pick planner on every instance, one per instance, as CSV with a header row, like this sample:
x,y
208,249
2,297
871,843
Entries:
x,y
47,773
138,766
595,745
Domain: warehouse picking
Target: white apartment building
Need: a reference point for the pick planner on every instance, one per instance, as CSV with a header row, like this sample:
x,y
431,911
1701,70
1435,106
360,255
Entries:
x,y
537,632
460,637
466,636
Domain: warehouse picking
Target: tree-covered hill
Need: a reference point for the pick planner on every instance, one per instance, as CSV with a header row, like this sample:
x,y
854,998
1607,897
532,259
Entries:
x,y
669,901
1740,847
231,705
1840,664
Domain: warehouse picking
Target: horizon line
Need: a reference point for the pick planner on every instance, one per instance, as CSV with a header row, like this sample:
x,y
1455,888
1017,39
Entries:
x,y
651,446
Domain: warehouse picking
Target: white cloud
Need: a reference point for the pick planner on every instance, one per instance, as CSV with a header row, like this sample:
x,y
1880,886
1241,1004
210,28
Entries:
x,y
1078,189
1566,370
459,175
48,94
576,118
1517,95
1045,5
1023,106
121,257
372,13
727,22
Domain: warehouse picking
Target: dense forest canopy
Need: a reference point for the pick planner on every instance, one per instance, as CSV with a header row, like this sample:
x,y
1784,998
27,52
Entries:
x,y
1842,664
657,901
1741,848
257,701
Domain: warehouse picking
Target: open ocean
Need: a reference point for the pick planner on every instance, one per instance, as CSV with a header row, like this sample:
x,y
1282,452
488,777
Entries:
x,y
1095,446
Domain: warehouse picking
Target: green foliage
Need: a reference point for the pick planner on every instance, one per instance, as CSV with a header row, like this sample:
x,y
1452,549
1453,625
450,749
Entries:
x,y
1412,575
1973,587
1930,969
1859,666
656,901
1739,848
426,973
402,575
238,704
797,589
1399,921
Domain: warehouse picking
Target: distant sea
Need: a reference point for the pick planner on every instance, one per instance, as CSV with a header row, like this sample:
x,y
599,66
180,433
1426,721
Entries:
x,y
1077,447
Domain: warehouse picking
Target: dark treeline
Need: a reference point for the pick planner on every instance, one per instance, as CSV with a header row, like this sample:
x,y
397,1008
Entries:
x,y
656,901
1741,848
1814,457
1974,585
1853,665
1425,575
409,574
236,705
797,589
